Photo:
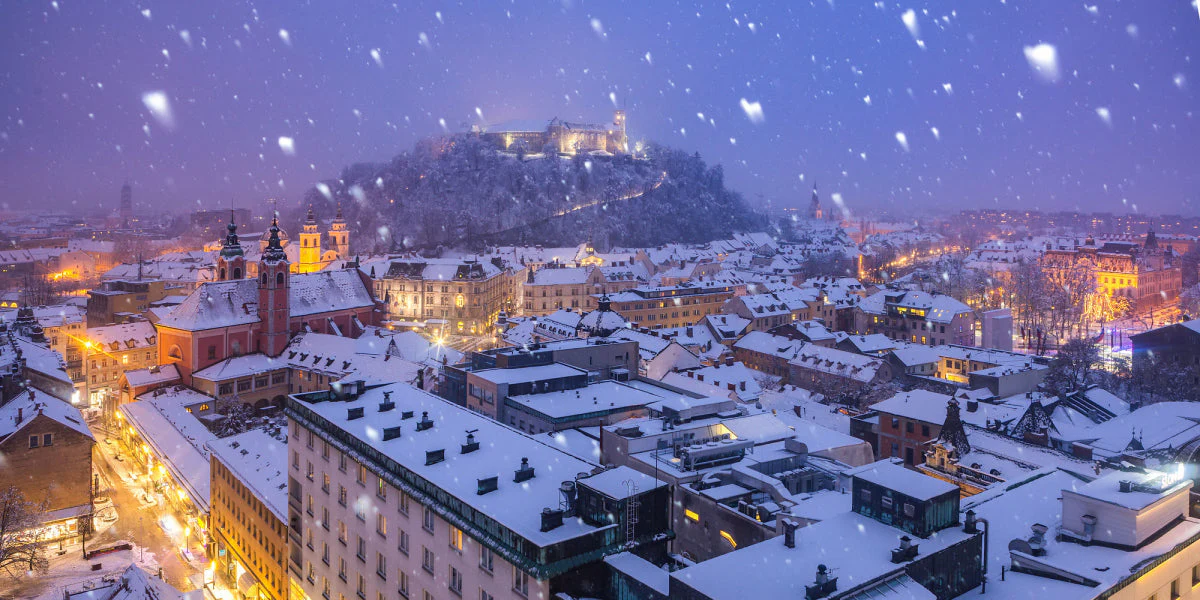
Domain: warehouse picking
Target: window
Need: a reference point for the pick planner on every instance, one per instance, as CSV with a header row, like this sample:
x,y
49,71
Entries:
x,y
342,533
520,582
908,426
308,471
33,441
725,535
362,549
483,595
381,565
381,524
362,474
403,587
342,462
1174,589
360,509
456,581
428,524
381,492
456,539
895,423
325,517
691,515
925,431
325,552
361,588
325,482
341,495
427,559
47,439
342,569
486,558
404,503
295,460
909,510
403,547
1196,575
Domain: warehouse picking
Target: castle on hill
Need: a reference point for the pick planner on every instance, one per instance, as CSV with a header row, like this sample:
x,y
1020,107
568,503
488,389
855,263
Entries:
x,y
557,135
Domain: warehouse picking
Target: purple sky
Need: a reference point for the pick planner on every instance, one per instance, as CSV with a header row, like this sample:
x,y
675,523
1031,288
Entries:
x,y
1116,130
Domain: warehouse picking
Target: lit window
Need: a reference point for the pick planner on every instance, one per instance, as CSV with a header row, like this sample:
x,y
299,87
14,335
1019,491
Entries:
x,y
456,538
729,539
691,515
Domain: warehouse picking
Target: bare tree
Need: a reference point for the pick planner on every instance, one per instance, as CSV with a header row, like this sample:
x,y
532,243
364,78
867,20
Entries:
x,y
1072,367
21,549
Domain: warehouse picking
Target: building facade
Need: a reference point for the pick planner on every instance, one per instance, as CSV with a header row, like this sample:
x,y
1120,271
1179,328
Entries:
x,y
670,307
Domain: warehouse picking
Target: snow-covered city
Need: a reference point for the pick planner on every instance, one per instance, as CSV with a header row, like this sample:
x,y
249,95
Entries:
x,y
599,301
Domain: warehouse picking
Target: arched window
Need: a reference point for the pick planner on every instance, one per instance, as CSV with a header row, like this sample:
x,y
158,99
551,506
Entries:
x,y
221,274
262,278
237,273
279,278
175,352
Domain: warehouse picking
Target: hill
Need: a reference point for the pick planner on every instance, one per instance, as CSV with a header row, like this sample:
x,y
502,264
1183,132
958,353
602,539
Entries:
x,y
460,191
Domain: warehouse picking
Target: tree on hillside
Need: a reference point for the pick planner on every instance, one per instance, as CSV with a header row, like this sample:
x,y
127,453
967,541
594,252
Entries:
x,y
21,550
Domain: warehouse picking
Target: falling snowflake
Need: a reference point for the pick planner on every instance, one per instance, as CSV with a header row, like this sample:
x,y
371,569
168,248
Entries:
x,y
1104,115
285,36
647,58
902,139
910,21
867,100
937,135
325,191
753,111
376,56
1179,80
423,40
1043,58
287,145
948,88
160,108
598,27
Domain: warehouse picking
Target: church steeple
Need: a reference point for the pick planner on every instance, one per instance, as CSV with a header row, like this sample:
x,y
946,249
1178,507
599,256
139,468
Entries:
x,y
231,263
814,205
274,282
310,244
339,235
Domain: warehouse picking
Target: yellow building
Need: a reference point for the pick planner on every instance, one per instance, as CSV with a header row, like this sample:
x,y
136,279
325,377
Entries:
x,y
670,307
249,514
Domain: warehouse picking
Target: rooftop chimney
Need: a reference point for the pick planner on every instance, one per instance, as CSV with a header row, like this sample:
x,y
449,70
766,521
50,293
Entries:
x,y
425,422
789,533
524,473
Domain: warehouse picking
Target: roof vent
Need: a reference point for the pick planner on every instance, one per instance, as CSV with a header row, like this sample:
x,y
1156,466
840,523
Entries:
x,y
471,444
906,552
789,533
387,403
408,414
552,518
525,473
433,457
391,433
822,586
487,484
425,422
354,413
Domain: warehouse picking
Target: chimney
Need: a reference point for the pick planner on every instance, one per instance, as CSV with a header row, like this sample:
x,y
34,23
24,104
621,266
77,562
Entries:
x,y
742,385
732,387
789,533
729,361
524,473
700,376
689,331
691,374
20,414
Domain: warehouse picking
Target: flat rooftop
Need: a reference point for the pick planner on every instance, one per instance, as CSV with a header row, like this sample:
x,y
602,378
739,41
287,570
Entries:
x,y
600,396
528,374
906,481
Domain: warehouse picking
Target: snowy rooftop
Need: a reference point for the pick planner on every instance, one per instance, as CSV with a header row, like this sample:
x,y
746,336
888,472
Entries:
x,y
837,362
621,483
605,395
152,375
855,548
260,462
528,374
31,403
178,438
246,365
905,481
1157,426
227,303
1012,510
516,506
127,336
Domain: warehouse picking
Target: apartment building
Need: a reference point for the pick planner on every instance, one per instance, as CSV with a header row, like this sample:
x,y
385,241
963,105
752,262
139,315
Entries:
x,y
454,296
670,306
393,492
916,317
249,513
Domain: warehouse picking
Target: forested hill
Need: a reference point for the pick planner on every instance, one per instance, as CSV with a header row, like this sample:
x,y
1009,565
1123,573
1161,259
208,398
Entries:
x,y
458,191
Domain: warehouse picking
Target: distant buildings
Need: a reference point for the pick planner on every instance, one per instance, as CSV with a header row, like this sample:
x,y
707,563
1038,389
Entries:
x,y
1148,276
670,306
444,296
916,317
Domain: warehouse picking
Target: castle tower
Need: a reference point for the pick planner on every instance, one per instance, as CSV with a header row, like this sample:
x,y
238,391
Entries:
x,y
310,244
273,285
339,235
231,262
620,139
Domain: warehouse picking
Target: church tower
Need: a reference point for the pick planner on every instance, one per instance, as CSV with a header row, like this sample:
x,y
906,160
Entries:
x,y
126,210
231,262
814,205
273,284
339,235
310,244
